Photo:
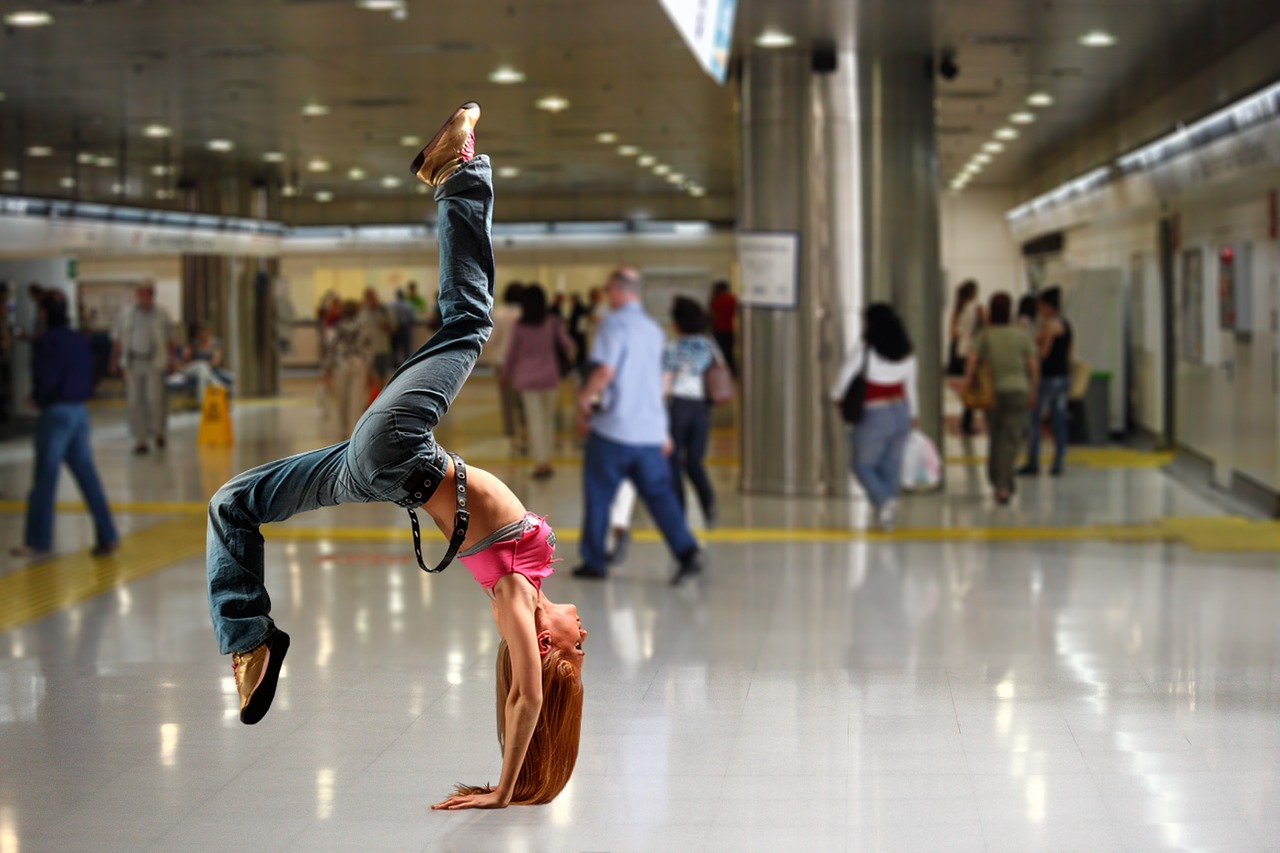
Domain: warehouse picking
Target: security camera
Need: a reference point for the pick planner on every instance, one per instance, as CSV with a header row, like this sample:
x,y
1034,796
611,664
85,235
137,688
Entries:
x,y
947,67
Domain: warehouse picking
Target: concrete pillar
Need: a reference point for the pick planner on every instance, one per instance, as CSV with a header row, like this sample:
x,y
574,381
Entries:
x,y
845,157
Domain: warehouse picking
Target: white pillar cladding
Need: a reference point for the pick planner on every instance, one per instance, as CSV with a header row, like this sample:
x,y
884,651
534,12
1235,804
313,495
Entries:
x,y
846,158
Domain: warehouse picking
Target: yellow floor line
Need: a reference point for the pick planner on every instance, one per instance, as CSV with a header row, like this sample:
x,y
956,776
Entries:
x,y
43,588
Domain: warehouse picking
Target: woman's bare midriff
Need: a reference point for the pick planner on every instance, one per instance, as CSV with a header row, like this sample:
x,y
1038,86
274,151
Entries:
x,y
491,504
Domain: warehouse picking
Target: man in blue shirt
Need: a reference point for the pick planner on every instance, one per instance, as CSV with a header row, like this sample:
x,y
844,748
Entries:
x,y
621,405
62,379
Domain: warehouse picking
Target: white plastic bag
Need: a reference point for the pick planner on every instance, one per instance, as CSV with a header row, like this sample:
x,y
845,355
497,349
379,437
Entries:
x,y
921,465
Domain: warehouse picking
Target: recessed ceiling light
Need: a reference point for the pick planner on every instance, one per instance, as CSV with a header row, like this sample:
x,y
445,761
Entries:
x,y
606,138
380,5
391,182
505,75
315,110
411,141
772,38
161,170
84,158
39,151
697,192
661,169
1022,117
647,160
104,162
288,191
220,145
982,158
509,172
67,183
324,196
1006,133
1040,99
157,131
675,178
28,18
10,175
628,150
993,147
552,103
355,173
1097,38
273,157
317,165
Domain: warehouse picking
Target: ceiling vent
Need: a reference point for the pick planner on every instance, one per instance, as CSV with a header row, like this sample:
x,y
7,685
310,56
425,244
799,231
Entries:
x,y
966,94
1001,39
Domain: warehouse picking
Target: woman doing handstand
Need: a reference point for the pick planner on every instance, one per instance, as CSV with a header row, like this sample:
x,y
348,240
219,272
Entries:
x,y
393,456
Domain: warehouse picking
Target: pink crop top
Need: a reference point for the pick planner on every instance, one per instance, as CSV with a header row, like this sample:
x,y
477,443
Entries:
x,y
531,555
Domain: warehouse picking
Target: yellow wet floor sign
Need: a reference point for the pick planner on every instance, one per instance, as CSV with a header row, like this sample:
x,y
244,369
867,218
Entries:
x,y
215,419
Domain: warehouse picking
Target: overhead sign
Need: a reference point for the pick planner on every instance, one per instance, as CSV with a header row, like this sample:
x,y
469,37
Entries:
x,y
768,265
707,27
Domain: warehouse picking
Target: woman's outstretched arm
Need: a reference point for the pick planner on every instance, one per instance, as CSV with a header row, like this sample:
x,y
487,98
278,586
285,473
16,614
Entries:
x,y
515,601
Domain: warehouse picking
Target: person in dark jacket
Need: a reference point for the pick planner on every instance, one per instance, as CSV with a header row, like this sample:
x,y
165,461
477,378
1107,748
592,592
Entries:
x,y
62,379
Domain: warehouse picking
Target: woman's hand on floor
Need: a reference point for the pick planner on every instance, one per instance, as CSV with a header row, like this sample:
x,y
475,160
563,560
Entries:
x,y
491,800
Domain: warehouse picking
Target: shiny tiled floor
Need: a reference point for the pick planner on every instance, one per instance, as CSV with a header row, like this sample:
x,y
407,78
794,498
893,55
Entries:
x,y
814,694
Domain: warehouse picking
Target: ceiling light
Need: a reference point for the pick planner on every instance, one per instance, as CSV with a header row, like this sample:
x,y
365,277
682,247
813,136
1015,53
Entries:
x,y
675,178
28,18
117,189
288,191
220,145
104,162
67,183
647,160
1040,99
1023,117
411,141
606,138
984,159
505,75
552,103
697,192
315,110
628,150
10,175
317,165
355,173
380,5
84,158
509,172
273,157
1006,133
324,196
661,169
774,39
993,147
39,151
390,182
1097,38
160,171
156,131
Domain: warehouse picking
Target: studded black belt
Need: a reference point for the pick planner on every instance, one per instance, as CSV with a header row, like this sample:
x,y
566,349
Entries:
x,y
461,518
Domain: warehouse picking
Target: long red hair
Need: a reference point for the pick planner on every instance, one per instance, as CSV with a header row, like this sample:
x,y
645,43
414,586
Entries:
x,y
553,749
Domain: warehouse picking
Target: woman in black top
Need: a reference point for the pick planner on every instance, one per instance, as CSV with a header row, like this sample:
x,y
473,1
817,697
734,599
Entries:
x,y
1053,339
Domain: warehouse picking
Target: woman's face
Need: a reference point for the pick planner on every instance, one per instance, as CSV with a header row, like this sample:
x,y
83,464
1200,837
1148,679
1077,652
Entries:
x,y
565,627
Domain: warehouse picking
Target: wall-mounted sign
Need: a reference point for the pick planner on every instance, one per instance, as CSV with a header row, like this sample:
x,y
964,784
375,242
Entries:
x,y
707,27
768,264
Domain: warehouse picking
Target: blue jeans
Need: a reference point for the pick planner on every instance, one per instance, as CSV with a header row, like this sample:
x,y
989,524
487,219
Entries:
x,y
605,465
391,455
1053,397
690,428
62,435
878,444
